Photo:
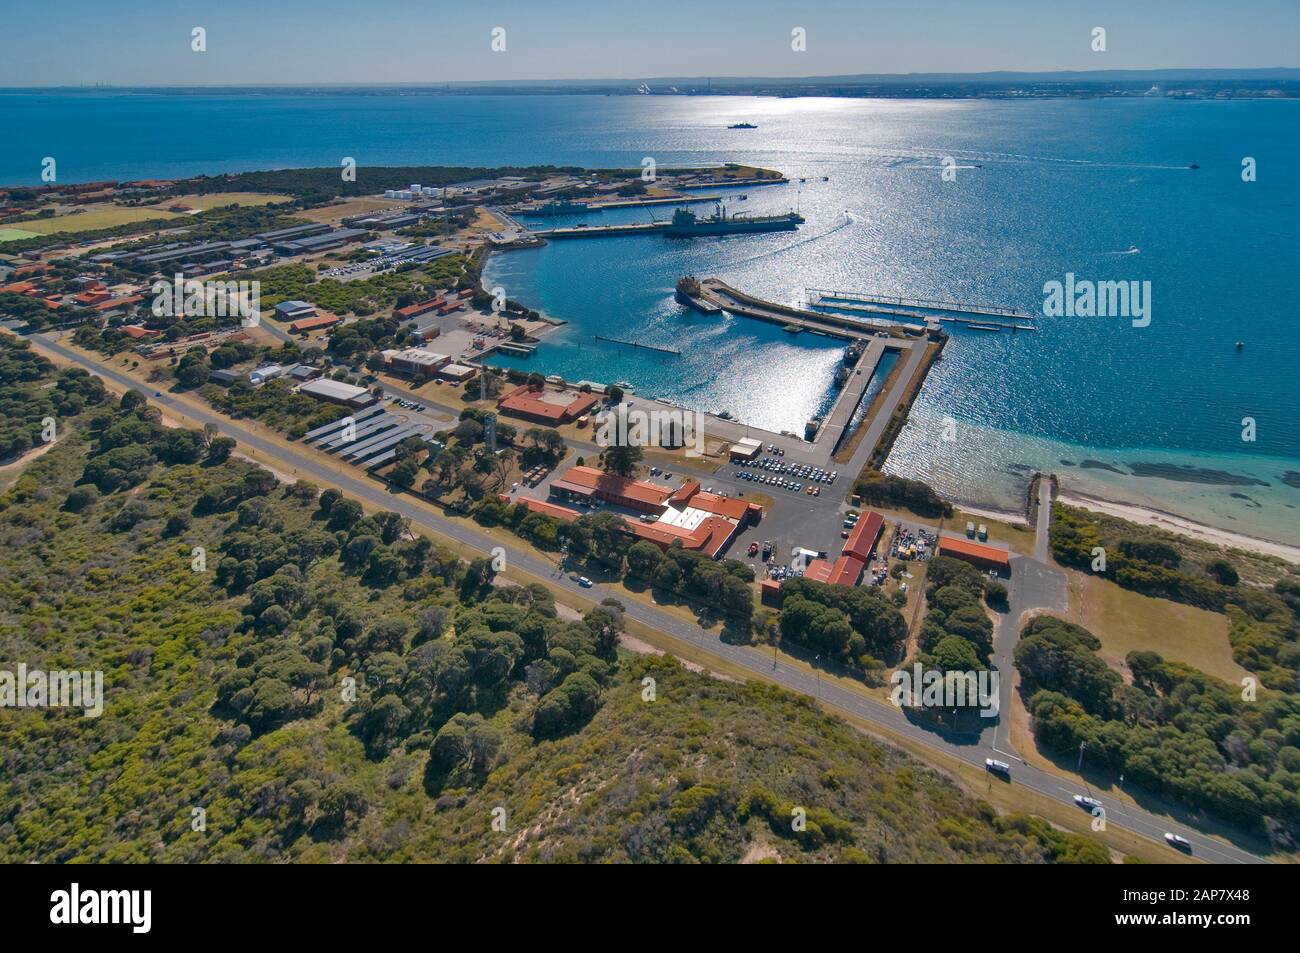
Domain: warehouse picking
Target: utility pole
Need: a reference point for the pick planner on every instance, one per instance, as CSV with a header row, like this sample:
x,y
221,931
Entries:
x,y
1082,745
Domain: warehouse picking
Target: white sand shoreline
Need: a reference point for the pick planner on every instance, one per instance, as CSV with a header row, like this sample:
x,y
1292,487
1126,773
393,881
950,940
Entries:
x,y
1144,516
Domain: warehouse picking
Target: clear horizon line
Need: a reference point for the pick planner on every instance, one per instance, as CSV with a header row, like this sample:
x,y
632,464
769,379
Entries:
x,y
812,78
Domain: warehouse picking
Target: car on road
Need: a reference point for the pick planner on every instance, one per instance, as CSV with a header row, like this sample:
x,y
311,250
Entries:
x,y
1178,843
1087,803
997,767
585,582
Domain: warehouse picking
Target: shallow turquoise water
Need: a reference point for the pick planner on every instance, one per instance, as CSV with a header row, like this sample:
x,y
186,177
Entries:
x,y
1042,188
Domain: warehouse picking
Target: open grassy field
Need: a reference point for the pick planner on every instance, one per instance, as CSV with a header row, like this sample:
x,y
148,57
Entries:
x,y
14,234
1125,620
97,216
218,199
339,210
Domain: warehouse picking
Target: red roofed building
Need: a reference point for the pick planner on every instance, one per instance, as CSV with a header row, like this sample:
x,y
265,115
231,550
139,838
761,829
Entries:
x,y
729,507
543,507
311,324
863,537
977,554
588,483
112,303
422,307
818,570
21,288
136,331
847,571
708,536
95,296
531,404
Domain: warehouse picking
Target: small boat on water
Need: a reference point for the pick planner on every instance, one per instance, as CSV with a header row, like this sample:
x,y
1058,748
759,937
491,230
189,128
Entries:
x,y
1241,345
625,386
1193,166
742,125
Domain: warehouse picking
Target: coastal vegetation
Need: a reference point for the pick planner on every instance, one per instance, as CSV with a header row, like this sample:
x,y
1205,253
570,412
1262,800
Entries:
x,y
855,627
957,634
1264,613
1167,728
885,489
323,184
289,678
274,404
35,395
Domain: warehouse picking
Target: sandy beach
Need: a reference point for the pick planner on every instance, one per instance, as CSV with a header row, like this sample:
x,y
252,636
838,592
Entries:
x,y
1177,524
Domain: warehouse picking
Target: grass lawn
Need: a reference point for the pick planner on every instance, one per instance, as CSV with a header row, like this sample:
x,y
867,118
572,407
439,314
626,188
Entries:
x,y
99,216
218,199
346,209
1020,538
14,234
1125,620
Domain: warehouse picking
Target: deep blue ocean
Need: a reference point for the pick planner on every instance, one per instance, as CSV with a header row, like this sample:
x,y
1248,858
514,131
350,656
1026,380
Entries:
x,y
1098,188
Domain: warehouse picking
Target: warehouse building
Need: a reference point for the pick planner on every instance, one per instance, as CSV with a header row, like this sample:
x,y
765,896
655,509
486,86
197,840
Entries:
x,y
337,392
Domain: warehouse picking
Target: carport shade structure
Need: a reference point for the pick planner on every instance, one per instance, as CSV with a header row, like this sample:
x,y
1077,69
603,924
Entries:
x,y
338,424
385,440
365,431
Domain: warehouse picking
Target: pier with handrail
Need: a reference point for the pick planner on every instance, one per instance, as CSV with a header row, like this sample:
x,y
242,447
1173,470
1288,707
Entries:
x,y
821,295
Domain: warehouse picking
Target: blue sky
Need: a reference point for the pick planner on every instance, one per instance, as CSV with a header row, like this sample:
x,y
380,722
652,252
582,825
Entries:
x,y
147,42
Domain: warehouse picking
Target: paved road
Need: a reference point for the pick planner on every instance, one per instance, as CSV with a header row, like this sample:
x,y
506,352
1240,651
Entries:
x,y
1033,585
1044,517
751,659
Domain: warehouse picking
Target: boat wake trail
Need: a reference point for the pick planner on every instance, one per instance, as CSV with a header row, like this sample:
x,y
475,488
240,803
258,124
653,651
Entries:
x,y
922,157
1131,250
848,220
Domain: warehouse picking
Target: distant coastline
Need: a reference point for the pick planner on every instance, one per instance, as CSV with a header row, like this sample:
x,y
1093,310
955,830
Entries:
x,y
1187,83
